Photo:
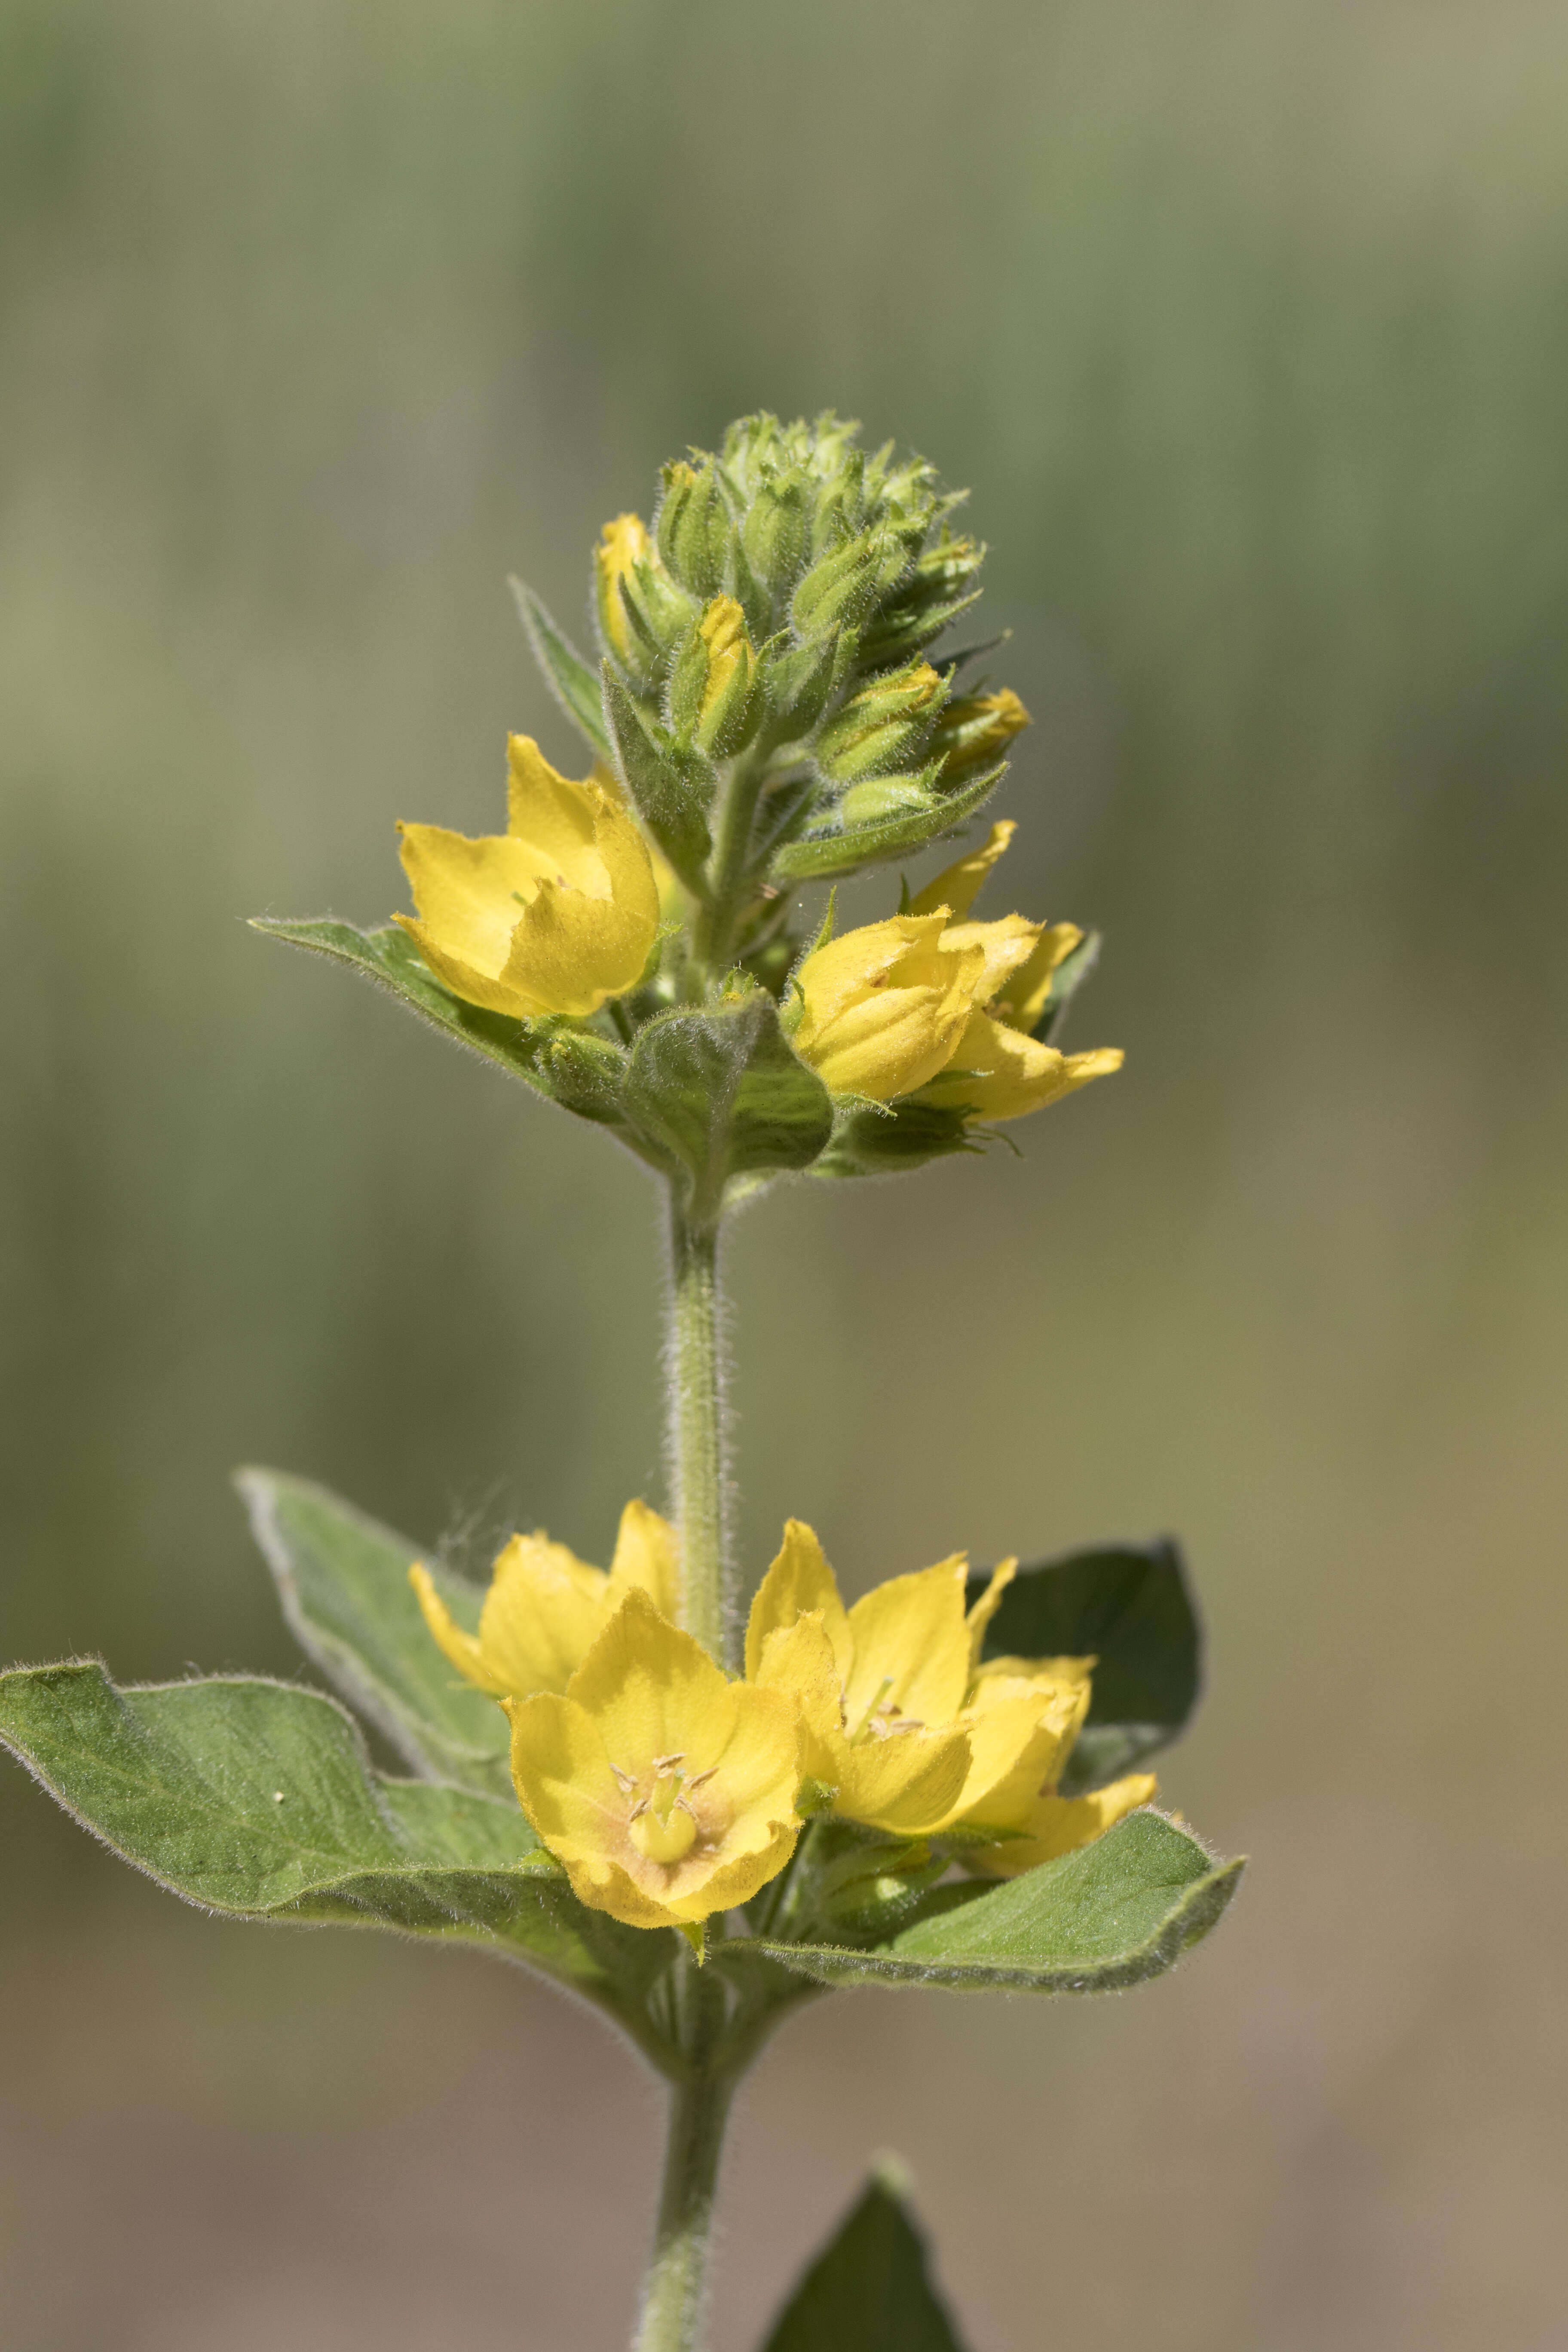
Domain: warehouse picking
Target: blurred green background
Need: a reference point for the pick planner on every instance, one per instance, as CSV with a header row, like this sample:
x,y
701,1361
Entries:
x,y
1248,324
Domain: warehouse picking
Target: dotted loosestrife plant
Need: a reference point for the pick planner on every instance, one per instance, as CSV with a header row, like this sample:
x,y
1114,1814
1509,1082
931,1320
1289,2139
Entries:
x,y
696,1816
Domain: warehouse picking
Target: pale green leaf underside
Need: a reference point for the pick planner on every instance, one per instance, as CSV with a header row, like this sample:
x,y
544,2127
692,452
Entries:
x,y
343,1582
1115,1912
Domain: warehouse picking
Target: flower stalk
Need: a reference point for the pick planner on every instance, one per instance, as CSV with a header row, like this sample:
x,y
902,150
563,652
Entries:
x,y
695,1378
675,2288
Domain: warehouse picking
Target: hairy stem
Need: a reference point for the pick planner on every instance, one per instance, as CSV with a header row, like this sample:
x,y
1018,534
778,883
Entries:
x,y
676,2274
695,1373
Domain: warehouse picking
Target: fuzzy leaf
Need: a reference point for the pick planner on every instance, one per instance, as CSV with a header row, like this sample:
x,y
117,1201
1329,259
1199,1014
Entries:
x,y
1115,1912
844,849
1130,1606
256,1799
389,959
721,1096
870,2289
574,686
343,1582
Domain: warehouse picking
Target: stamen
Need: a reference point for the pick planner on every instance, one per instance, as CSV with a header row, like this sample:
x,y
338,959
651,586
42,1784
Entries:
x,y
667,1763
640,1806
626,1781
697,1777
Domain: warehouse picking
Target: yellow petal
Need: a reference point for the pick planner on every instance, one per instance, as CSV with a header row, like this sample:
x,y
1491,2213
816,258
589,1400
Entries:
x,y
797,1660
889,1044
1023,1000
985,1607
553,819
471,897
837,976
653,1689
648,1697
799,1581
1021,1734
1058,1825
907,1783
1003,947
911,1647
648,1554
957,885
462,1648
573,948
997,1073
544,1609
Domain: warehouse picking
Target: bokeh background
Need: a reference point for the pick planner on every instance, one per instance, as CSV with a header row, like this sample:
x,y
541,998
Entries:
x,y
1248,324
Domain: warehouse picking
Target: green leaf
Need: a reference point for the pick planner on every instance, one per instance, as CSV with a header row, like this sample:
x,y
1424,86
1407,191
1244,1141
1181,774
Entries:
x,y
1129,1606
256,1799
343,1582
843,849
672,791
869,2290
574,686
721,1096
1109,1914
558,1058
389,959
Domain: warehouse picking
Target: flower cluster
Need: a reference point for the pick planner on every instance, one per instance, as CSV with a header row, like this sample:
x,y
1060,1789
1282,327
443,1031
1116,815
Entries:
x,y
670,1791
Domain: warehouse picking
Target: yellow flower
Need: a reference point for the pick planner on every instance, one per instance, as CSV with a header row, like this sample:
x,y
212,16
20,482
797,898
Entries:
x,y
902,1721
928,1001
554,916
623,544
666,1790
884,1006
546,1608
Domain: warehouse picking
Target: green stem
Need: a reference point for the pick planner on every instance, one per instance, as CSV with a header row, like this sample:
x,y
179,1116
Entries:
x,y
695,1373
677,2276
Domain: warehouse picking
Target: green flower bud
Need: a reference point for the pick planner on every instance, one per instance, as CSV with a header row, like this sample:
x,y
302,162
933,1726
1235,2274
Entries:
x,y
693,528
975,731
882,726
711,689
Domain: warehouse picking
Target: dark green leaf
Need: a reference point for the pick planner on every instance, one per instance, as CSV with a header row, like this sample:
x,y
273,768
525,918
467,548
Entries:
x,y
721,1096
869,2290
574,686
256,1799
1129,1606
343,1582
844,849
1115,1912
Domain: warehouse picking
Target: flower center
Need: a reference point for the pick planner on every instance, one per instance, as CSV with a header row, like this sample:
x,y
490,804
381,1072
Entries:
x,y
661,1823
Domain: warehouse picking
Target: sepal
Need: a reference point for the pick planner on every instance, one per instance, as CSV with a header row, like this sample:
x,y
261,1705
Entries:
x,y
894,817
672,789
719,1099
